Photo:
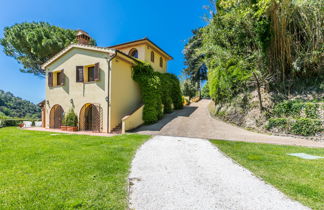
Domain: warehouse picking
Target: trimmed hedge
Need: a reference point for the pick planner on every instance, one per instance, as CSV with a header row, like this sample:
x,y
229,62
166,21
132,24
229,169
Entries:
x,y
288,108
306,127
277,123
157,89
300,126
311,110
295,108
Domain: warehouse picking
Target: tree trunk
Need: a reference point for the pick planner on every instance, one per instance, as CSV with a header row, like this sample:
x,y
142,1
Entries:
x,y
259,91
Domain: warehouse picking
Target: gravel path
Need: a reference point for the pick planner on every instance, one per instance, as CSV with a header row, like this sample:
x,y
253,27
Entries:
x,y
195,121
184,173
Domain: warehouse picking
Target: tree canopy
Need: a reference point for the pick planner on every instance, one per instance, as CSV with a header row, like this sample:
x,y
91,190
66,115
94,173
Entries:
x,y
195,69
273,42
32,44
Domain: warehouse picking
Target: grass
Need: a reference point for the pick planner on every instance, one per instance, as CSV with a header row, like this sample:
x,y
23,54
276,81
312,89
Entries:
x,y
43,171
300,179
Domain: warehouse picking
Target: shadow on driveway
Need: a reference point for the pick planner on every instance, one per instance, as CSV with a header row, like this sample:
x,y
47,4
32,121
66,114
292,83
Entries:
x,y
185,112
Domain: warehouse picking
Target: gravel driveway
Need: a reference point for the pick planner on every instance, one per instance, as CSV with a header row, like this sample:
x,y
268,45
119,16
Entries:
x,y
185,173
195,121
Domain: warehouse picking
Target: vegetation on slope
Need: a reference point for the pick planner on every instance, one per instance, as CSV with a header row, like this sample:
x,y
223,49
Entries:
x,y
15,107
266,50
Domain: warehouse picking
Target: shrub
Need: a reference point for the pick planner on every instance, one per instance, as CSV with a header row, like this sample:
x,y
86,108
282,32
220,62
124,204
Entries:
x,y
306,126
281,123
156,89
311,110
176,91
288,108
70,119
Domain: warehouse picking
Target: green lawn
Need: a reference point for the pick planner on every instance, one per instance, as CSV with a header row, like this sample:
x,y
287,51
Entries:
x,y
43,171
300,179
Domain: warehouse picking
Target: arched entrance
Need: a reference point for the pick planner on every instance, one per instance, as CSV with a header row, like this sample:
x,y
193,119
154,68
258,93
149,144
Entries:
x,y
90,118
56,116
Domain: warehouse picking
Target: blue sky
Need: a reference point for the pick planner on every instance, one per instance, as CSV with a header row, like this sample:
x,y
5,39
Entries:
x,y
168,23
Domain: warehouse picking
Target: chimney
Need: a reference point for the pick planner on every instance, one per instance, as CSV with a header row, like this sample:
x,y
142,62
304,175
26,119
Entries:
x,y
82,37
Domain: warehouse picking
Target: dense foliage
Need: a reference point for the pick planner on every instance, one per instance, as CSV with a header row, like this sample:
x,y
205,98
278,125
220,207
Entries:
x,y
297,117
70,119
188,88
15,107
261,42
195,69
205,91
32,44
157,89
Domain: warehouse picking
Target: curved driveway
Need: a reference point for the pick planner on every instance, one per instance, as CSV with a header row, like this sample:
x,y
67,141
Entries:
x,y
195,121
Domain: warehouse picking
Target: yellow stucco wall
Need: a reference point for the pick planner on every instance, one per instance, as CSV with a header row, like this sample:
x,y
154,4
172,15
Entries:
x,y
125,92
133,120
144,54
80,93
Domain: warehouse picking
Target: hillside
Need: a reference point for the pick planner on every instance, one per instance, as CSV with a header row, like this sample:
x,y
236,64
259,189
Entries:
x,y
15,107
265,64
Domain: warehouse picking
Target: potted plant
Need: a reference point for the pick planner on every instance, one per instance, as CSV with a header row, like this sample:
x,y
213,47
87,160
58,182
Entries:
x,y
70,121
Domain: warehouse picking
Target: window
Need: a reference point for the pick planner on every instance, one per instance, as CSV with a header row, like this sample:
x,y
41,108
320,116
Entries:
x,y
56,78
134,53
152,57
88,73
161,62
91,74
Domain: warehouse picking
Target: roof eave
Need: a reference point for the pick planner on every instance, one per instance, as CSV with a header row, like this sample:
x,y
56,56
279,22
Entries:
x,y
80,46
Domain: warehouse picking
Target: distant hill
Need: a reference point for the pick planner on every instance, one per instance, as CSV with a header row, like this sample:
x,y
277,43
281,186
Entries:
x,y
12,106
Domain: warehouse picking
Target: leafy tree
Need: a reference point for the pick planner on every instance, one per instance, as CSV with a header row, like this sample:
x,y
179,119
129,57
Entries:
x,y
205,91
32,44
261,44
188,88
196,69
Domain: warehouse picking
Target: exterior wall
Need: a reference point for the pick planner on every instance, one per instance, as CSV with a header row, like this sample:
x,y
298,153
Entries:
x,y
144,54
125,92
140,48
81,93
156,64
133,120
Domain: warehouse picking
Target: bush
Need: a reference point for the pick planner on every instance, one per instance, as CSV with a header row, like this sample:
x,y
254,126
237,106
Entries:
x,y
157,89
281,123
70,119
311,110
306,127
288,108
176,94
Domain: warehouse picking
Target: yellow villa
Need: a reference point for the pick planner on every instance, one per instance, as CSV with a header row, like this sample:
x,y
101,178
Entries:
x,y
97,83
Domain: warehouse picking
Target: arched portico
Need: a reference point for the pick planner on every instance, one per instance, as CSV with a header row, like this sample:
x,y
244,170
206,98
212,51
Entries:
x,y
56,116
90,118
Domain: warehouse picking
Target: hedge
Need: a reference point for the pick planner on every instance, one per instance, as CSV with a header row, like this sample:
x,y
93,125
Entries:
x,y
157,89
14,122
300,126
306,127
